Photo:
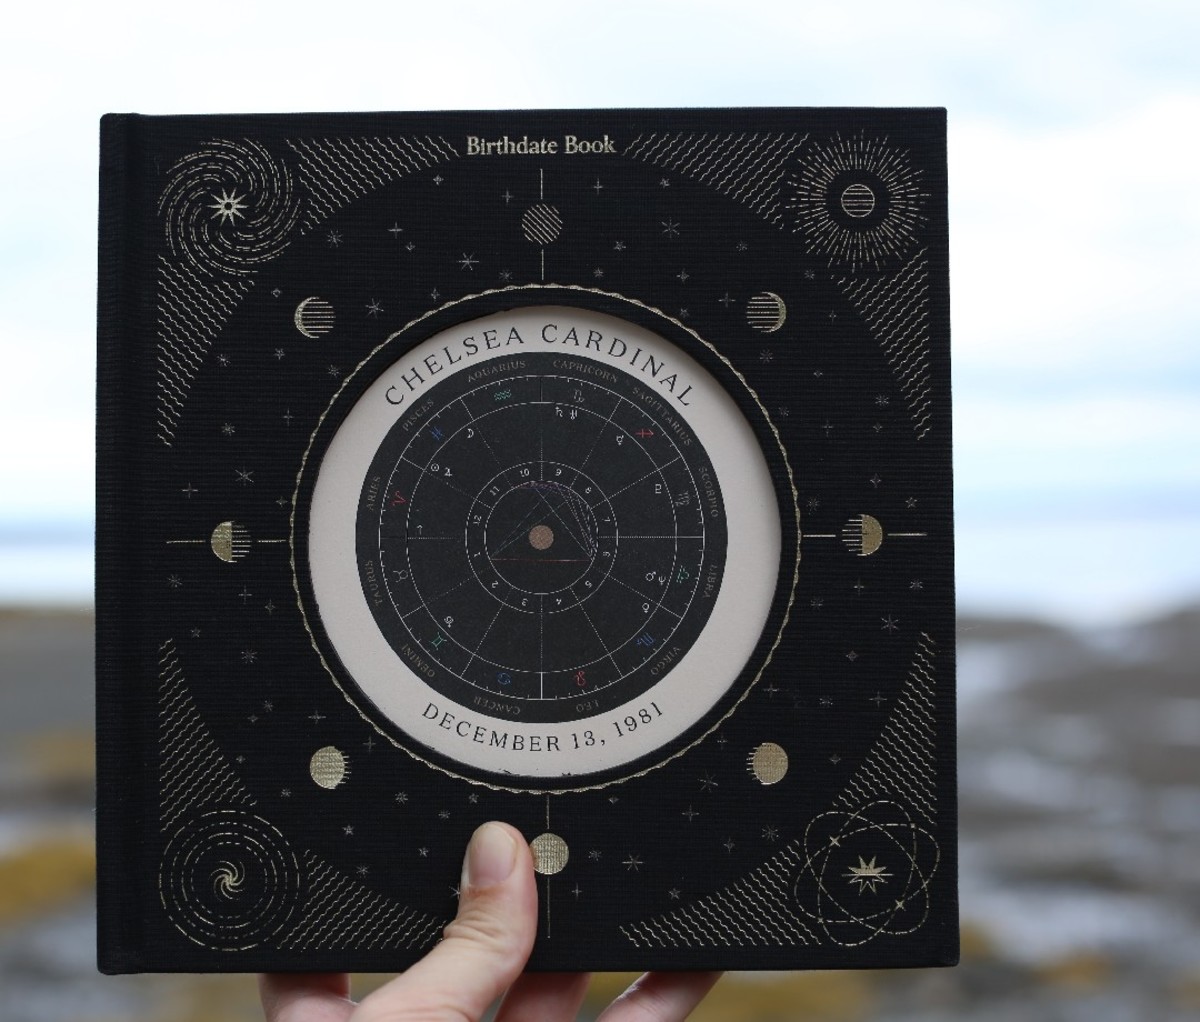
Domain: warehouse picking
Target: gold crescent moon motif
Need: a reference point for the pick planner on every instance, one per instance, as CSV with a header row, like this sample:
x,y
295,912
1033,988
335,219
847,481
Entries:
x,y
766,312
314,317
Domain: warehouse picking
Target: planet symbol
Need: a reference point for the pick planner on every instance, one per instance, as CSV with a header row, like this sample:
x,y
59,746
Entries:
x,y
858,201
314,317
541,537
863,535
230,541
550,854
768,763
766,312
542,224
328,767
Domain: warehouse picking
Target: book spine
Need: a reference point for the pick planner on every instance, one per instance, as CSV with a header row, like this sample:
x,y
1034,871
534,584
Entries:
x,y
120,763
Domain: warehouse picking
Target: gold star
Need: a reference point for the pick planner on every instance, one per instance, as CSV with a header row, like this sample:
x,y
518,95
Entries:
x,y
228,206
867,874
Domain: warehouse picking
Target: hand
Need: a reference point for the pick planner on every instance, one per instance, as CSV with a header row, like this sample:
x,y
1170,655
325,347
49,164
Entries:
x,y
485,949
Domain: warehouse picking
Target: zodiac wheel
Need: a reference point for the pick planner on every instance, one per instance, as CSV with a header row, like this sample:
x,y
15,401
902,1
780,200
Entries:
x,y
543,543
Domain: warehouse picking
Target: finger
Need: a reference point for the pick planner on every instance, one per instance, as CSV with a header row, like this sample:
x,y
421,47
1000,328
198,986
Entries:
x,y
544,997
661,997
317,997
486,946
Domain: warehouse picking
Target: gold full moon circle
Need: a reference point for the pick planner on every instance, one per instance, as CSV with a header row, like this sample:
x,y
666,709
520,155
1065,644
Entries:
x,y
541,537
314,317
230,541
768,763
858,201
766,312
550,854
328,767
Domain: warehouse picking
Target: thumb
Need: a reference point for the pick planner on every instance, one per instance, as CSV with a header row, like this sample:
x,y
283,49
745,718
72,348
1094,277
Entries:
x,y
486,946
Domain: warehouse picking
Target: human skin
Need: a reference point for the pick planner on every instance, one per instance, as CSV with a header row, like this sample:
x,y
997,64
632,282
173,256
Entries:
x,y
481,959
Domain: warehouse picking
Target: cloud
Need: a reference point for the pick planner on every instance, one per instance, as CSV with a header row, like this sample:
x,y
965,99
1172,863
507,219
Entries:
x,y
1076,246
1094,457
1073,157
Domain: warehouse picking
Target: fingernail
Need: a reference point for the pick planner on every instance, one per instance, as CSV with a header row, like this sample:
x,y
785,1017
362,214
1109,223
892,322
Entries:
x,y
491,856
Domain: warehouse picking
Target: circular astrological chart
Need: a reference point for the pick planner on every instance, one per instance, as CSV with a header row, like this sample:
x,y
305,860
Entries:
x,y
543,543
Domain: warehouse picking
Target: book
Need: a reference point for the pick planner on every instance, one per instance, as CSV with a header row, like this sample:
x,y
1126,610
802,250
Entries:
x,y
587,470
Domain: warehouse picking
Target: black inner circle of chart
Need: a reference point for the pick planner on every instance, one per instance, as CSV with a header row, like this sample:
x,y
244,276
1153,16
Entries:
x,y
543,536
548,542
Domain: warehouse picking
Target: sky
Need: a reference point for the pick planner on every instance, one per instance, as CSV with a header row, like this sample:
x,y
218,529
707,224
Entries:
x,y
1074,218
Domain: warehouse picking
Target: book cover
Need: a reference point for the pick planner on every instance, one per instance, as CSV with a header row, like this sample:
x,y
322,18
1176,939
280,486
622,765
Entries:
x,y
587,470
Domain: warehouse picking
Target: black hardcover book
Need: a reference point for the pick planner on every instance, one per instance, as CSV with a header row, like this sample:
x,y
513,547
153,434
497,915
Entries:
x,y
587,470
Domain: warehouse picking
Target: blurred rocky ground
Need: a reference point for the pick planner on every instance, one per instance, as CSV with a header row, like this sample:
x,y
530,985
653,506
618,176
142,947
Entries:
x,y
1080,806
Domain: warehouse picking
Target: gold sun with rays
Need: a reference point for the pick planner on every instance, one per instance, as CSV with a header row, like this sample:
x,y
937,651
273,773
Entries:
x,y
858,202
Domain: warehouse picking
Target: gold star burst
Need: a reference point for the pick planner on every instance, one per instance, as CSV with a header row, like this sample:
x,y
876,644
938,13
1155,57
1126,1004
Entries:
x,y
228,206
858,201
867,874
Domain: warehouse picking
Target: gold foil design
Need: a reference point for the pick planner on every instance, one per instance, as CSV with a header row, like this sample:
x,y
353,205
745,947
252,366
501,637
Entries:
x,y
768,763
230,541
870,831
314,317
193,771
328,767
340,914
229,880
863,535
858,201
550,854
542,224
789,503
766,312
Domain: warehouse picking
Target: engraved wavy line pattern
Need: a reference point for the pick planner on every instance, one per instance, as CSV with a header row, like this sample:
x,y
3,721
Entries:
x,y
193,771
342,913
747,168
888,773
895,309
336,171
898,777
191,313
754,911
882,827
229,208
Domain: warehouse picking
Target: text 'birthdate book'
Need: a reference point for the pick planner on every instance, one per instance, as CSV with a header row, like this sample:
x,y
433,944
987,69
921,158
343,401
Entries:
x,y
584,470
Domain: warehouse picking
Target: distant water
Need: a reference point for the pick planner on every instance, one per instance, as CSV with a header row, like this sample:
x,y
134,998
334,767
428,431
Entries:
x,y
1077,572
46,571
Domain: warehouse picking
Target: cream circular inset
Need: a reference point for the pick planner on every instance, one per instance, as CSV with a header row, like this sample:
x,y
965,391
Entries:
x,y
543,543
